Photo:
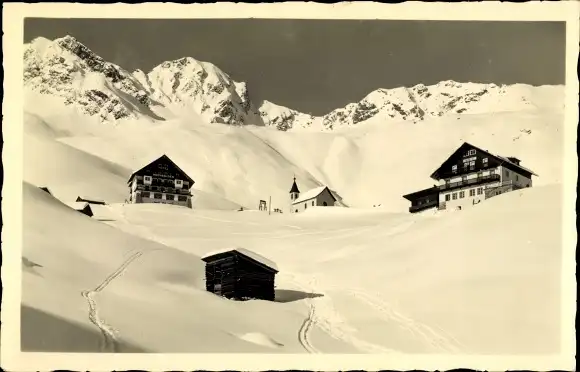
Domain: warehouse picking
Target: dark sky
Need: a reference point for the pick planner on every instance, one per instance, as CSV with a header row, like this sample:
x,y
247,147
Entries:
x,y
316,66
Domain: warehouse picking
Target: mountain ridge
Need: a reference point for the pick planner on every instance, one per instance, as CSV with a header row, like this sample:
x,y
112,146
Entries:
x,y
66,68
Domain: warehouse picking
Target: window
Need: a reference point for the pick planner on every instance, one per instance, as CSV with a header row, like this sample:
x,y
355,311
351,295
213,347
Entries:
x,y
491,172
454,196
305,205
507,173
157,195
145,194
324,204
471,152
462,194
313,203
454,169
147,178
472,192
178,182
182,198
479,191
472,165
517,177
170,197
485,162
464,179
447,197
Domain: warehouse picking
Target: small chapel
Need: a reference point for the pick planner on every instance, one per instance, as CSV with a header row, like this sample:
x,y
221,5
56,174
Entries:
x,y
318,197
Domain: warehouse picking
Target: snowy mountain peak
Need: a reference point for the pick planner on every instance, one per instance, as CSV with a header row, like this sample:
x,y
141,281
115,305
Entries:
x,y
205,88
68,69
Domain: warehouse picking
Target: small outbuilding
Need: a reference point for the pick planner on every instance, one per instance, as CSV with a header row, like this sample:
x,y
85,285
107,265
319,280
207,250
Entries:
x,y
82,207
84,199
240,274
46,189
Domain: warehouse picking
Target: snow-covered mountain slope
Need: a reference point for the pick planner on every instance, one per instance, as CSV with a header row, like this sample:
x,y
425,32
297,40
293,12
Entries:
x,y
69,172
89,287
445,99
412,285
366,165
203,87
68,69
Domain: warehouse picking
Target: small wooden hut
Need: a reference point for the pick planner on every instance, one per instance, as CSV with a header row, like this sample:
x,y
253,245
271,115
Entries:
x,y
240,274
82,207
46,189
82,199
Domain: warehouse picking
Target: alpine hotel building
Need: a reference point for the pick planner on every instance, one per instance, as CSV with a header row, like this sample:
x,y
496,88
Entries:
x,y
469,176
160,181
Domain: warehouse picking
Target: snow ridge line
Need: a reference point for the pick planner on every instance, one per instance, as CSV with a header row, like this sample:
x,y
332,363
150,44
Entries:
x,y
110,343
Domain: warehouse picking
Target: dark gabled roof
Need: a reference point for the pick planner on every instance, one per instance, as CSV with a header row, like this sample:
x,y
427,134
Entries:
x,y
294,187
165,157
501,159
252,256
81,198
46,189
425,192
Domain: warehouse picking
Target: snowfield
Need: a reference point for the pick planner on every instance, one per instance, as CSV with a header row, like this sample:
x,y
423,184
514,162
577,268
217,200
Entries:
x,y
366,282
352,280
370,278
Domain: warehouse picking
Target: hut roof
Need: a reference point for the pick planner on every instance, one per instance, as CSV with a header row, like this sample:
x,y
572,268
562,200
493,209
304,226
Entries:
x,y
79,206
82,198
245,252
311,194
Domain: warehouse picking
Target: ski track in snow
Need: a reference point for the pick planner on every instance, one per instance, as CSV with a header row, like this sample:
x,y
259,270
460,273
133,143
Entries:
x,y
419,330
109,343
323,315
307,326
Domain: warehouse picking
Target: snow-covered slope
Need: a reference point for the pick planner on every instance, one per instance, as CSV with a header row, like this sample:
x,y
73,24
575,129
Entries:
x,y
237,165
70,70
357,279
203,87
364,282
88,287
365,166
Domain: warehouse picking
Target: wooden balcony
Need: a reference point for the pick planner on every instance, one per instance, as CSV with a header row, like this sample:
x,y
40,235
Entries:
x,y
423,206
469,182
163,189
461,171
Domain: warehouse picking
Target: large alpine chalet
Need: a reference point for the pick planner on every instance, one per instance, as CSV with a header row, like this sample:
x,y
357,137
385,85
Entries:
x,y
469,176
160,181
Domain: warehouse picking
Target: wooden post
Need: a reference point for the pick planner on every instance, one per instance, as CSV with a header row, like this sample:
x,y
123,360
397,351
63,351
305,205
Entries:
x,y
269,205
